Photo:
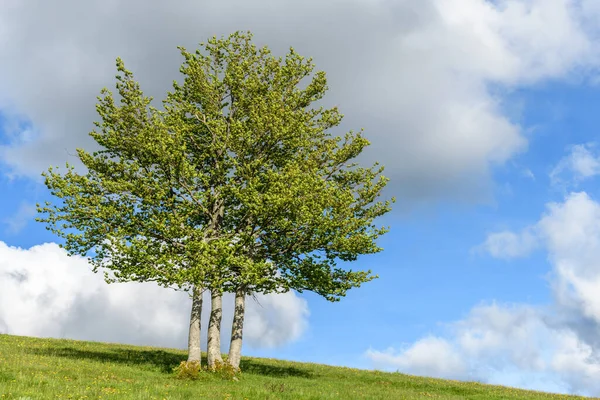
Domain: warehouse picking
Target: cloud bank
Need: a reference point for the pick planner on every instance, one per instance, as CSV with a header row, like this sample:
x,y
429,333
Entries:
x,y
580,164
554,348
45,293
426,78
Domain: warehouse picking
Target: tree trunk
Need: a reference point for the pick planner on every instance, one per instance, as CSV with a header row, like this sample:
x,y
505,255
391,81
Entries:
x,y
214,329
235,346
194,352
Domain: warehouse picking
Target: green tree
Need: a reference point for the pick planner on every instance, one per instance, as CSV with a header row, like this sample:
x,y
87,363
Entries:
x,y
237,185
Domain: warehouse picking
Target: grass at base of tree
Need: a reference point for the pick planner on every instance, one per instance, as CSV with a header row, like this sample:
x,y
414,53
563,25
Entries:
x,y
32,368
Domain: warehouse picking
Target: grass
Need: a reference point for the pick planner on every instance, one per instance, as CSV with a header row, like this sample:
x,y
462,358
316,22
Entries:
x,y
32,368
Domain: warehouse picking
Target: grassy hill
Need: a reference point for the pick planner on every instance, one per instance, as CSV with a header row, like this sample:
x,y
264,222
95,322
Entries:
x,y
33,368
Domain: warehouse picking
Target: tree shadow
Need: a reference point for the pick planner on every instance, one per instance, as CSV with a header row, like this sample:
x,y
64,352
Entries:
x,y
164,360
264,368
160,359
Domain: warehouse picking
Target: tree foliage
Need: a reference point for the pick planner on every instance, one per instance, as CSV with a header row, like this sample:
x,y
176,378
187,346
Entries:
x,y
236,182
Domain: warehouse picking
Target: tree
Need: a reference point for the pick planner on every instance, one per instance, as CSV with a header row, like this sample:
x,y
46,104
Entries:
x,y
294,185
236,186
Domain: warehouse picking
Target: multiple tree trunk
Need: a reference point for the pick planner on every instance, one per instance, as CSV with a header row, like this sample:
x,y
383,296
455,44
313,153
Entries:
x,y
214,329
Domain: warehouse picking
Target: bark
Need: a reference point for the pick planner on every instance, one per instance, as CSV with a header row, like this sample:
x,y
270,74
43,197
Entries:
x,y
194,352
235,346
214,330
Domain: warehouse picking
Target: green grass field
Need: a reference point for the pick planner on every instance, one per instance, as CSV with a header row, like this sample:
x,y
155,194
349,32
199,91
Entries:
x,y
33,368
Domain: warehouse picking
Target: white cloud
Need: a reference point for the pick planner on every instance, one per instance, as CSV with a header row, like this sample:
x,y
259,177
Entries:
x,y
580,164
553,348
276,319
496,332
430,356
506,345
414,73
507,244
571,231
45,293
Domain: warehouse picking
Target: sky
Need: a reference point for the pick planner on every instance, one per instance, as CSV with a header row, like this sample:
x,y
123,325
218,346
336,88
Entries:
x,y
484,114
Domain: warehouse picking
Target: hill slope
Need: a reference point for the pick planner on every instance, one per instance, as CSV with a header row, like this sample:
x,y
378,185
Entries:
x,y
65,369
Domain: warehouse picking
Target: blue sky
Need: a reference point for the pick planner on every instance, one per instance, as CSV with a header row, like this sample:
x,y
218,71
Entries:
x,y
485,119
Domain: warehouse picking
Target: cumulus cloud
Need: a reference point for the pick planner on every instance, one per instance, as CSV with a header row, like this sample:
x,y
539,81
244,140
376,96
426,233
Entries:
x,y
571,231
552,348
428,356
415,73
507,244
503,344
581,163
45,293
